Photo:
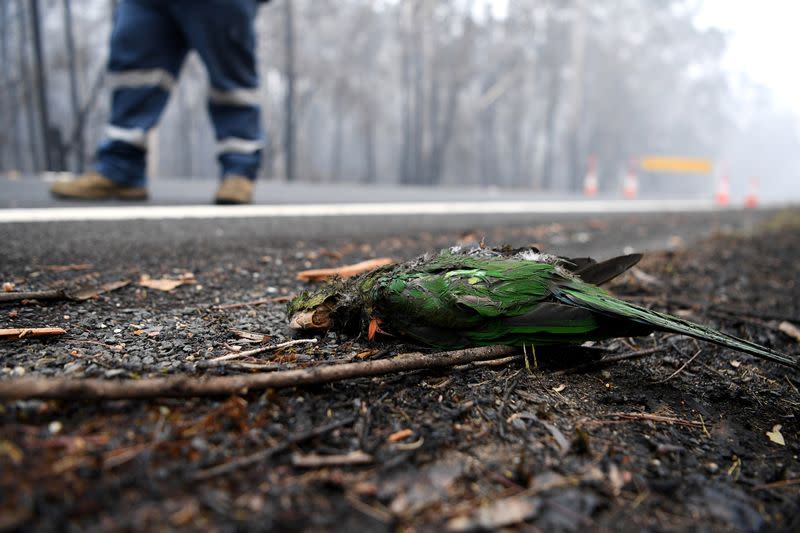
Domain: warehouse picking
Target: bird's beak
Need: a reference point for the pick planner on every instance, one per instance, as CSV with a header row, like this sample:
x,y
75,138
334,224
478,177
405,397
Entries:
x,y
319,318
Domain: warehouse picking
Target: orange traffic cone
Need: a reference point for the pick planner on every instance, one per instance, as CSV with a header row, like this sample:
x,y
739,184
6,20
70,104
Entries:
x,y
723,195
590,181
630,185
751,200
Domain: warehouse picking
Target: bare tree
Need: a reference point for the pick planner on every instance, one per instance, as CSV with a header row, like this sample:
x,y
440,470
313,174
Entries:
x,y
51,140
79,147
289,134
27,88
8,103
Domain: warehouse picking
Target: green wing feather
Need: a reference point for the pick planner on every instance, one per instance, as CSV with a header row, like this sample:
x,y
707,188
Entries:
x,y
598,300
458,301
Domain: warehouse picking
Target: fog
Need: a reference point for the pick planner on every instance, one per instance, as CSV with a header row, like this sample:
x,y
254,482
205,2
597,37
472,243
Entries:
x,y
515,95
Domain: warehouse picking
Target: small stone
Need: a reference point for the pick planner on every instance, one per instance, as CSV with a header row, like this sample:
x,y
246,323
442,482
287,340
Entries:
x,y
55,427
199,444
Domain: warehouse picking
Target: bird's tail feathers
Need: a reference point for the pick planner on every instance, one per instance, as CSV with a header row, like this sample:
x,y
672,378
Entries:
x,y
600,301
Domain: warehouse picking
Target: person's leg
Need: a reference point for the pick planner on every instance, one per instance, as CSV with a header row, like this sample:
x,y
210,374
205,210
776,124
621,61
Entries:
x,y
147,51
223,33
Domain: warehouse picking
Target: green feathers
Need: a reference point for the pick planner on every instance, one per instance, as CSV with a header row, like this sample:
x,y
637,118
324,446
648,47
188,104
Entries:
x,y
462,299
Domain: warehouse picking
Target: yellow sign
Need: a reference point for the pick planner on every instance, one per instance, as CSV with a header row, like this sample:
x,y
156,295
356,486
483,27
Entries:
x,y
686,165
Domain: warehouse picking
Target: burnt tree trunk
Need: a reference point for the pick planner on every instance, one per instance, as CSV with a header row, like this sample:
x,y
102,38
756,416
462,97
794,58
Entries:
x,y
80,144
27,88
289,132
48,136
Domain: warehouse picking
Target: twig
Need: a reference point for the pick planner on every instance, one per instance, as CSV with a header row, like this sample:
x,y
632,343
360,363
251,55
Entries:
x,y
495,362
257,457
658,418
274,299
65,268
315,460
684,365
21,333
191,386
376,511
256,351
235,365
77,295
609,361
19,296
222,358
778,484
348,271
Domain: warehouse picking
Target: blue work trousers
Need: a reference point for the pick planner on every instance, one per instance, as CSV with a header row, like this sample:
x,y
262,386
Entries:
x,y
149,43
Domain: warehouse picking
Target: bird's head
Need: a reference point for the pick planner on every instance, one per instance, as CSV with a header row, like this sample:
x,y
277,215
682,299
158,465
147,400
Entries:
x,y
314,311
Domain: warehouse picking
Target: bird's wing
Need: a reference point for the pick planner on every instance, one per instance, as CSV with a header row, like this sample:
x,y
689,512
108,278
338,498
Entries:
x,y
468,301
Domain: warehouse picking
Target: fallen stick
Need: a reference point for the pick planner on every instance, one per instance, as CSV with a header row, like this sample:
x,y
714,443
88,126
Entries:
x,y
256,351
19,296
65,268
77,295
191,386
657,418
778,484
608,361
320,274
684,365
262,455
315,460
21,333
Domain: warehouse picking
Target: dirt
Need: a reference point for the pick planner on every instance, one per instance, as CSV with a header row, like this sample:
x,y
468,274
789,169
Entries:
x,y
666,441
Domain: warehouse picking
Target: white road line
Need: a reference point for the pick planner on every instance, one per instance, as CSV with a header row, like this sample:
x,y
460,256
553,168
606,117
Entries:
x,y
63,214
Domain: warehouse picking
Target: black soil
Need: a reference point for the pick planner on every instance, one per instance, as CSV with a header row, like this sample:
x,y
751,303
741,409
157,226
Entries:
x,y
649,443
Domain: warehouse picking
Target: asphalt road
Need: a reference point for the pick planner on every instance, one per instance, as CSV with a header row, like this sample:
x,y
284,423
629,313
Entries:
x,y
33,192
178,220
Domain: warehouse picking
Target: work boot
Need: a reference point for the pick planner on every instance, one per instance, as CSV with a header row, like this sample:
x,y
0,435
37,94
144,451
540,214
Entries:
x,y
234,190
94,186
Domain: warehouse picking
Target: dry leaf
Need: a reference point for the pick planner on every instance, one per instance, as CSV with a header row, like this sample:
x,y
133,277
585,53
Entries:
x,y
166,284
92,293
348,271
400,435
258,337
315,460
775,435
790,329
736,364
367,353
65,268
500,513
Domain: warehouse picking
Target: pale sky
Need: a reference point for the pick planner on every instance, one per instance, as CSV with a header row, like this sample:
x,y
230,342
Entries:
x,y
764,42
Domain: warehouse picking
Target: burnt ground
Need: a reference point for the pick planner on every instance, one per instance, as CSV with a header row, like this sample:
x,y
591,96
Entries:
x,y
649,443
